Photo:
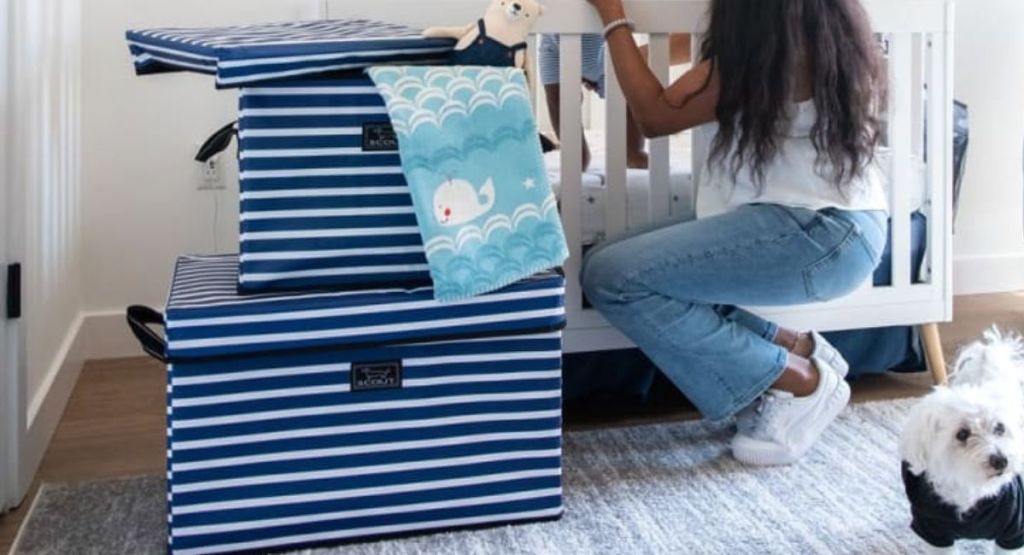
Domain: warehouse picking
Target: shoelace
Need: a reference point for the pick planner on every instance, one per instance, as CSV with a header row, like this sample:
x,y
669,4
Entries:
x,y
765,408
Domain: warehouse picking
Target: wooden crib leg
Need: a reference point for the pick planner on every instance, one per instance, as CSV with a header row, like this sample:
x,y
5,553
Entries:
x,y
933,352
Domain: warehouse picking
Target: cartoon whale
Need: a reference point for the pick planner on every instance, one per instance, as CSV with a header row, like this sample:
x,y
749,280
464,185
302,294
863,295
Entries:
x,y
457,202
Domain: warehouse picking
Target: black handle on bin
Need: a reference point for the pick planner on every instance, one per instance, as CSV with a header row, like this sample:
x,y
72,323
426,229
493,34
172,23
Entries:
x,y
218,142
140,318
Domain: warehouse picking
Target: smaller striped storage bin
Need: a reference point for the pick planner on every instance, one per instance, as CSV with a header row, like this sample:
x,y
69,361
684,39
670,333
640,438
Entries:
x,y
324,199
327,417
324,202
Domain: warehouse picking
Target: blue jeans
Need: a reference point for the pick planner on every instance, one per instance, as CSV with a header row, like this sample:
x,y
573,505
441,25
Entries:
x,y
674,290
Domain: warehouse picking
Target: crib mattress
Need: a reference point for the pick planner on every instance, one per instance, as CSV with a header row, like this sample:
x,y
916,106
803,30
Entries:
x,y
299,419
246,54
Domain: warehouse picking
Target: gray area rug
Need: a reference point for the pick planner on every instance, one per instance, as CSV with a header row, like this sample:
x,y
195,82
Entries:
x,y
666,488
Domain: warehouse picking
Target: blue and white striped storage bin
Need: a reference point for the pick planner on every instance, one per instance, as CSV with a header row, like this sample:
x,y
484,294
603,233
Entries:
x,y
329,416
324,199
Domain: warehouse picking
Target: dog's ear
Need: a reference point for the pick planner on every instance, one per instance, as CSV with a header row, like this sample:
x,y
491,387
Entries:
x,y
968,357
920,434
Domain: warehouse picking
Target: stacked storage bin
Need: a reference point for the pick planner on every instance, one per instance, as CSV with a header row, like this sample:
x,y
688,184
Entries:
x,y
324,200
317,393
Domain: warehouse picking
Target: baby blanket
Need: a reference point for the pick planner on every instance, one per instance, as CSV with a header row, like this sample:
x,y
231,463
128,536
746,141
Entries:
x,y
471,154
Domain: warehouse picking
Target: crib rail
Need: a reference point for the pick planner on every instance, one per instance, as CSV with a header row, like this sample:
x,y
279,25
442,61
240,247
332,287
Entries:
x,y
919,36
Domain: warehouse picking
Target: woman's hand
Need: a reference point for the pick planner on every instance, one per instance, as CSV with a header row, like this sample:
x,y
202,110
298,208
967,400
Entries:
x,y
610,10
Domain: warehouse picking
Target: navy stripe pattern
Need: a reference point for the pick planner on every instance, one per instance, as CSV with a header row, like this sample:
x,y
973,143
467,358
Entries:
x,y
246,54
324,199
282,449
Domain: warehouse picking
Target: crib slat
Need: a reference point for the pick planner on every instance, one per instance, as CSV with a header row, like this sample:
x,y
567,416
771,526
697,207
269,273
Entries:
x,y
919,54
572,165
940,162
660,148
901,142
616,197
698,143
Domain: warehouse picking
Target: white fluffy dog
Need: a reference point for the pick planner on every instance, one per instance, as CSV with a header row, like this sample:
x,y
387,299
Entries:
x,y
963,451
994,362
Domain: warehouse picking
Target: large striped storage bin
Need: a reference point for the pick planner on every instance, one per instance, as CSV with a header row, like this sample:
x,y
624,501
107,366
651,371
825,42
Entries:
x,y
324,201
328,416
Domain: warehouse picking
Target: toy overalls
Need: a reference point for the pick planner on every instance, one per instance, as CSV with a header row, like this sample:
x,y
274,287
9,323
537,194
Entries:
x,y
486,51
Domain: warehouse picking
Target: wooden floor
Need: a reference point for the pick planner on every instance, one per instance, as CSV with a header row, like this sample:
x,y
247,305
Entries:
x,y
114,423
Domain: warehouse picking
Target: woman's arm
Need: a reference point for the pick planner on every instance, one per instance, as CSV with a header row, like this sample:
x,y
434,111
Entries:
x,y
658,110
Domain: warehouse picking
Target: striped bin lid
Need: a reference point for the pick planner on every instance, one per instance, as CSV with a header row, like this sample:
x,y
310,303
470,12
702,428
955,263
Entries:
x,y
245,54
207,318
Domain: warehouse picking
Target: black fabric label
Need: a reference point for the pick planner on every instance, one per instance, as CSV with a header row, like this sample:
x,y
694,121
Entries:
x,y
379,137
373,376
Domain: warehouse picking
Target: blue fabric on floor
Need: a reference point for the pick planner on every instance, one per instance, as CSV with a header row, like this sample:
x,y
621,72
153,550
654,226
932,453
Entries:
x,y
628,376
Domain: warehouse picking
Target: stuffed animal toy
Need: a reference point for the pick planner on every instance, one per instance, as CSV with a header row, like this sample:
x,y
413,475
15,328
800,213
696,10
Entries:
x,y
496,39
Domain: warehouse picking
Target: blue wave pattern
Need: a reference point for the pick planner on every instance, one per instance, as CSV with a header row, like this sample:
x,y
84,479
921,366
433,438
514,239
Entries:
x,y
470,153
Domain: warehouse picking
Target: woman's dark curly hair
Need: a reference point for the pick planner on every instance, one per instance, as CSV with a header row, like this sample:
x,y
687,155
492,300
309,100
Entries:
x,y
758,47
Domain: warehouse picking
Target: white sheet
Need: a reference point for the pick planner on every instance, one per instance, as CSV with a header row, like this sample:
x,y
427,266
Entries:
x,y
638,186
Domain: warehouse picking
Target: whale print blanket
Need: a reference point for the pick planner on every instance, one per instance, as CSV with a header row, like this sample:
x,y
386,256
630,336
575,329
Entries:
x,y
471,155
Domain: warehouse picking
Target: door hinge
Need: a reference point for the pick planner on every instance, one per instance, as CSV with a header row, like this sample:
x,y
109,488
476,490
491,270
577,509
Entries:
x,y
13,291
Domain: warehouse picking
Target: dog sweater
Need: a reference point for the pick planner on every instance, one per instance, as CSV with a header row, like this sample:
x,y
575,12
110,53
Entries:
x,y
999,518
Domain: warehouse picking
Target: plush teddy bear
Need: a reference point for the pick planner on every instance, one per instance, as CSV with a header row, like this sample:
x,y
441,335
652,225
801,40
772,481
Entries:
x,y
496,39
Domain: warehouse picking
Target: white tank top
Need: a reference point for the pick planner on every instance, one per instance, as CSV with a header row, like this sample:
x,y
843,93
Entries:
x,y
791,179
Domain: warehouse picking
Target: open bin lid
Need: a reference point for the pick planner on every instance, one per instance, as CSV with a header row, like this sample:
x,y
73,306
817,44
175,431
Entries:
x,y
207,318
245,54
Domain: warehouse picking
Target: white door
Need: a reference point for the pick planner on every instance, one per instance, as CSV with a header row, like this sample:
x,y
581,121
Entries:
x,y
10,355
11,352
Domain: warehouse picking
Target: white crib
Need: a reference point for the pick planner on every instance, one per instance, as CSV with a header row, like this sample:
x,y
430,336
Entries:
x,y
919,34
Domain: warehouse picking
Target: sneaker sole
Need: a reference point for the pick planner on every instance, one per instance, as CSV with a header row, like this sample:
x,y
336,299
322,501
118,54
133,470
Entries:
x,y
759,453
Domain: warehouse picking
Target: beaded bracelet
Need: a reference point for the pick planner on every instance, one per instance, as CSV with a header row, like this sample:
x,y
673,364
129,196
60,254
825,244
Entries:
x,y
623,22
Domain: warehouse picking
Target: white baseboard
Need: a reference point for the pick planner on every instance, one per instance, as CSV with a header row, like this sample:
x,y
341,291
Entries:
x,y
973,275
106,335
46,406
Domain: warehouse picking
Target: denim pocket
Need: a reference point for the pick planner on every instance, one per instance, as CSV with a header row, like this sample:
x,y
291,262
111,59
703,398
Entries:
x,y
841,270
804,218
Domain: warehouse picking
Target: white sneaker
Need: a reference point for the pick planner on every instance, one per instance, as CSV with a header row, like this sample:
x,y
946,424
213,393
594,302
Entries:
x,y
785,426
823,350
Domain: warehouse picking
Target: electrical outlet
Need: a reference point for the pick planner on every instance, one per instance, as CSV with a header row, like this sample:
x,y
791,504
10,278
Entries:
x,y
210,175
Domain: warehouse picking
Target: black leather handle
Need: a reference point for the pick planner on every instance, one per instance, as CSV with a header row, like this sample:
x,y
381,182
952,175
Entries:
x,y
140,318
218,142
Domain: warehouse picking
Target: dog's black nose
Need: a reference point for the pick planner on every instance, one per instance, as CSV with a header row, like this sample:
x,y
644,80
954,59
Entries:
x,y
997,462
517,7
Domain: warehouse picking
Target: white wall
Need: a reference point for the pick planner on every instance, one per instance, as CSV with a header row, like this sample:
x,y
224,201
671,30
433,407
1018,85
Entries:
x,y
989,244
142,208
